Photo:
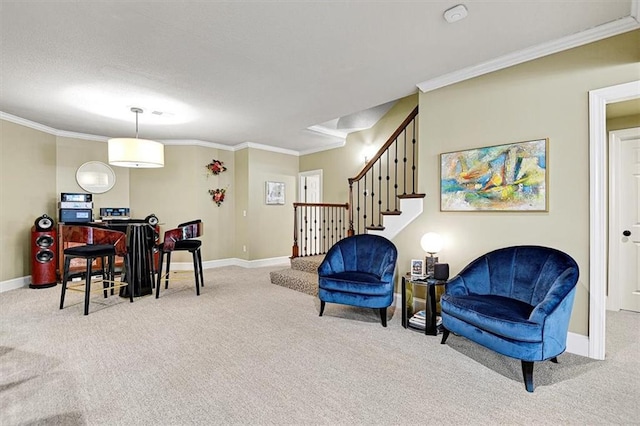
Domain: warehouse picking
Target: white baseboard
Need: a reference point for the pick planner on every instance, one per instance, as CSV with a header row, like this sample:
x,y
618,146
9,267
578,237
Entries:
x,y
175,266
578,344
15,283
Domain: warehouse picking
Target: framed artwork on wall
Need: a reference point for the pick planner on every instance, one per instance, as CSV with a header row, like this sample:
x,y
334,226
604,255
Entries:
x,y
511,177
274,192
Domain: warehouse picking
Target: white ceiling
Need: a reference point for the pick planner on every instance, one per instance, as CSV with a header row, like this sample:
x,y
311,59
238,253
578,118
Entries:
x,y
254,71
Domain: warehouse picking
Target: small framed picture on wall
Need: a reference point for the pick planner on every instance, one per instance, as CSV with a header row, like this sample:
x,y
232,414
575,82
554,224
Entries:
x,y
274,192
417,268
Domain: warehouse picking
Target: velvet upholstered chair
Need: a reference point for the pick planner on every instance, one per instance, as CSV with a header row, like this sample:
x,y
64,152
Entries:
x,y
516,301
359,271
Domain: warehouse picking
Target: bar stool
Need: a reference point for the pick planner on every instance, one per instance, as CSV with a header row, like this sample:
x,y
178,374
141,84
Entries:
x,y
181,239
99,243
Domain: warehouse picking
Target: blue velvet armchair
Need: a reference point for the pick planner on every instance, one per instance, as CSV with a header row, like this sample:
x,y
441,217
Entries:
x,y
359,271
516,301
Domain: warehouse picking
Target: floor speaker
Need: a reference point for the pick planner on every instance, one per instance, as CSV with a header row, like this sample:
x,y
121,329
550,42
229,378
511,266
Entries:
x,y
44,253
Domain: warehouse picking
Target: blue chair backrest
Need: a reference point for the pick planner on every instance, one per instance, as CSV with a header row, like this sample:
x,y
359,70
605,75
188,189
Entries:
x,y
363,253
524,273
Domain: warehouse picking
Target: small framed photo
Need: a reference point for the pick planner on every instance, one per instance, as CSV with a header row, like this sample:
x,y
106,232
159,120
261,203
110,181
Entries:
x,y
417,268
274,193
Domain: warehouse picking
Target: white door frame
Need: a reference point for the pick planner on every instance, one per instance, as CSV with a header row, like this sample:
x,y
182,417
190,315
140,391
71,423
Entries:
x,y
598,223
616,138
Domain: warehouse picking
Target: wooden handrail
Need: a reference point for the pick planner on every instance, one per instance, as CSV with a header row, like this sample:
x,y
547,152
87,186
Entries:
x,y
386,145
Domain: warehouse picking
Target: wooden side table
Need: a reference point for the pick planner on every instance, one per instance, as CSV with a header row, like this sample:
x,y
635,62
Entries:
x,y
430,320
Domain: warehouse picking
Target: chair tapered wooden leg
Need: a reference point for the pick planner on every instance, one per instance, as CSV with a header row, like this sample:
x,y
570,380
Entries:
x,y
554,359
87,287
322,303
65,278
200,267
445,334
195,273
527,374
168,267
383,316
159,276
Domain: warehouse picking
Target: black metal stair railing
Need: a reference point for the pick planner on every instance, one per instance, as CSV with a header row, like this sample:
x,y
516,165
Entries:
x,y
374,193
317,227
387,178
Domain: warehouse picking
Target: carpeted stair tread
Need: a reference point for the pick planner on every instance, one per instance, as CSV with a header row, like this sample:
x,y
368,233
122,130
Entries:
x,y
294,279
307,263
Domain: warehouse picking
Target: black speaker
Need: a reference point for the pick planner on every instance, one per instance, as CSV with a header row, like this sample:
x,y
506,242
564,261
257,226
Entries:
x,y
151,219
44,223
441,271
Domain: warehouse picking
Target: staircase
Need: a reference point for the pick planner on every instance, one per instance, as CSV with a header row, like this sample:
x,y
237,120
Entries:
x,y
302,276
382,200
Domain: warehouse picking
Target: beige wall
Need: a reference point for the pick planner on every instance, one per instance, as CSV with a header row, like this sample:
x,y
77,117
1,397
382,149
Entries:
x,y
241,191
547,97
36,167
178,192
343,163
270,230
27,190
72,153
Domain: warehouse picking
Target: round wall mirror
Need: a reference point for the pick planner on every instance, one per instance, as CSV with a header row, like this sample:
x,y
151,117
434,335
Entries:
x,y
95,177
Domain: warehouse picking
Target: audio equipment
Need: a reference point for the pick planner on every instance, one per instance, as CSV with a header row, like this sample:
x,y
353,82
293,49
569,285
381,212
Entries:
x,y
152,219
114,213
75,215
43,223
441,271
44,251
75,197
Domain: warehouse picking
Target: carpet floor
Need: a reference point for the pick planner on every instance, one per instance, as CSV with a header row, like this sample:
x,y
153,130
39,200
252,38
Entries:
x,y
249,352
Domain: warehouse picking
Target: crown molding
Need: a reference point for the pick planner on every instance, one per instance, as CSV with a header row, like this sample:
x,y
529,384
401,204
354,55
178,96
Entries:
x,y
181,142
600,32
270,148
50,130
324,148
197,142
327,131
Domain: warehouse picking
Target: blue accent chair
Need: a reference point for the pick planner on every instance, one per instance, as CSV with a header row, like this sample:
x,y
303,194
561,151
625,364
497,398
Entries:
x,y
359,271
516,301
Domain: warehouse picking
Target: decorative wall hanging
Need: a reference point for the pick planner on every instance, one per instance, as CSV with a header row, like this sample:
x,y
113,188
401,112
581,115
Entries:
x,y
274,193
511,177
215,167
217,195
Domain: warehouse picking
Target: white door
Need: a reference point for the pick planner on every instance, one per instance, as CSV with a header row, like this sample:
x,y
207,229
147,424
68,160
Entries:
x,y
310,191
624,228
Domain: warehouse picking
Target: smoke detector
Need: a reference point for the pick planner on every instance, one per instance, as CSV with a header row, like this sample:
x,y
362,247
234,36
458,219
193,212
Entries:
x,y
456,13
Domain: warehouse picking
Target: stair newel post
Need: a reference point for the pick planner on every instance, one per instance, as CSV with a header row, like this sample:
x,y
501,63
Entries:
x,y
294,249
350,232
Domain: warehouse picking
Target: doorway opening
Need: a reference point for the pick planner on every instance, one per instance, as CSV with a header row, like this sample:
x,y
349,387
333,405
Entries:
x,y
598,196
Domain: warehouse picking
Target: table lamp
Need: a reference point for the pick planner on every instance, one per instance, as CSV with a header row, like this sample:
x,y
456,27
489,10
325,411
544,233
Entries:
x,y
431,242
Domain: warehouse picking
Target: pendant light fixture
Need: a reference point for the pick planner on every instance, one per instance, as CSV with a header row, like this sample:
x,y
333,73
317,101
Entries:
x,y
134,152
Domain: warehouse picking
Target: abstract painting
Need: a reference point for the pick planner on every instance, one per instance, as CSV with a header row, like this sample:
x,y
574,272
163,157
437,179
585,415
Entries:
x,y
511,177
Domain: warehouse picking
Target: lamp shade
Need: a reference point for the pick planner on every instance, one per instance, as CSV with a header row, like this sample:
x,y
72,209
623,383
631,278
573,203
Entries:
x,y
431,242
134,152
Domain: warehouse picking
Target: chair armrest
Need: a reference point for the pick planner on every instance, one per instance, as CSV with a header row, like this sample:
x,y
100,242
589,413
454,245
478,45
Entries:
x,y
456,286
560,289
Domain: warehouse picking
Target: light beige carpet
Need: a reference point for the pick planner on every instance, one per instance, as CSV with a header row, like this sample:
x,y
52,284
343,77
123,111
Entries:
x,y
250,352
